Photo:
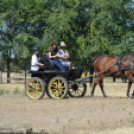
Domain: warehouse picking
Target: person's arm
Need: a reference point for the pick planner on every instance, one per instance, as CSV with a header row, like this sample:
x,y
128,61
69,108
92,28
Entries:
x,y
39,64
35,61
52,56
59,55
67,54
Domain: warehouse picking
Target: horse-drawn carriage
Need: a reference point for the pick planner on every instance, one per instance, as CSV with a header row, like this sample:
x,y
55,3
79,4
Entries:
x,y
55,83
58,85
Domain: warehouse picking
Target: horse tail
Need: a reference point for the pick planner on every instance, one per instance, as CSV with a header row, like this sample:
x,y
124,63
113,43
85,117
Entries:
x,y
92,70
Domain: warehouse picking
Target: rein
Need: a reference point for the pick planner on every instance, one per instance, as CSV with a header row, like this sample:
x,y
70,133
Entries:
x,y
96,73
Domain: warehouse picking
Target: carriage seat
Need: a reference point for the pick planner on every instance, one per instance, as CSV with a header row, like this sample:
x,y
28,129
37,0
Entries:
x,y
47,63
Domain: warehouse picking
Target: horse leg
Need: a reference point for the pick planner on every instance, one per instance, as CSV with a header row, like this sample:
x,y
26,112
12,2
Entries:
x,y
102,90
129,87
101,86
95,83
131,80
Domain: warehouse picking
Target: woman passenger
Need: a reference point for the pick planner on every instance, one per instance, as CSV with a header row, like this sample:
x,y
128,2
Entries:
x,y
53,55
64,56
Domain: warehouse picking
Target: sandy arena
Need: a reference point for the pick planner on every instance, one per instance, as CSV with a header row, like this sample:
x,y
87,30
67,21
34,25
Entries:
x,y
98,115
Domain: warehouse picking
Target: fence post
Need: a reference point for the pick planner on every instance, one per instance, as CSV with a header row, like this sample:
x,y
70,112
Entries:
x,y
25,71
1,77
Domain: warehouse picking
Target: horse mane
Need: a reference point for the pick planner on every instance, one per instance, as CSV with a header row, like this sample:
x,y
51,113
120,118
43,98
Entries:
x,y
108,55
127,54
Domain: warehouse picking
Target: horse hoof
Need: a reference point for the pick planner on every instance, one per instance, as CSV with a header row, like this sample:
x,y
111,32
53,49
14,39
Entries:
x,y
91,96
105,96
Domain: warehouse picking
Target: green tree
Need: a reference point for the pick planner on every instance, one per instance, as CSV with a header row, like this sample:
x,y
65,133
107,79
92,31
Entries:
x,y
90,28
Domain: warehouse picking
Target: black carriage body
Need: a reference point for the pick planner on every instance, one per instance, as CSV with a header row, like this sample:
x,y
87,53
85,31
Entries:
x,y
49,71
55,83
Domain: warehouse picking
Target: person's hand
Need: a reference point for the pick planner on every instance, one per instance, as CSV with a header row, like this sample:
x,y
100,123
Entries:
x,y
56,55
42,65
64,57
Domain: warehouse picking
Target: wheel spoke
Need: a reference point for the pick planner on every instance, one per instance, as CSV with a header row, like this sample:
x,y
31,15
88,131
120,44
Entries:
x,y
53,89
36,94
54,86
39,93
31,84
29,88
57,94
80,90
58,82
31,92
61,89
36,84
72,91
39,88
80,85
54,93
39,84
60,93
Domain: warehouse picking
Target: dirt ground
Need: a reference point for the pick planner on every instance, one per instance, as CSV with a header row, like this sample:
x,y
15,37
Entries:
x,y
98,115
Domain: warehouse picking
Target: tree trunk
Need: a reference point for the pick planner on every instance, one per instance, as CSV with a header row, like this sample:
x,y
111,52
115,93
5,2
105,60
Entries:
x,y
8,70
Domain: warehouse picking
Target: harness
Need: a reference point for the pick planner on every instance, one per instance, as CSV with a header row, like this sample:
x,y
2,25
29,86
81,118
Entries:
x,y
118,63
119,66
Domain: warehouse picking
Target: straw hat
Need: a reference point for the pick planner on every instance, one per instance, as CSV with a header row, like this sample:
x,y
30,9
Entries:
x,y
53,42
62,44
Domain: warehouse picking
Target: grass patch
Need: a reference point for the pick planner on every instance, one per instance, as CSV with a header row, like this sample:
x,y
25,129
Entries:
x,y
71,120
88,122
57,119
7,91
26,125
16,91
42,132
132,121
1,92
23,93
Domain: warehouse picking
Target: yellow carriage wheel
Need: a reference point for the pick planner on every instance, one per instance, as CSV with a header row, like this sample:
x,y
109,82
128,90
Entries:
x,y
57,88
35,88
77,89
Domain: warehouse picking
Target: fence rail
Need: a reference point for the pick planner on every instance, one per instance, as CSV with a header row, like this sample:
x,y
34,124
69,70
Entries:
x,y
15,78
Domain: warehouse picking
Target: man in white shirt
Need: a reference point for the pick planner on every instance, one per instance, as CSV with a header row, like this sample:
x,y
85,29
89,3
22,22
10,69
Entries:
x,y
34,61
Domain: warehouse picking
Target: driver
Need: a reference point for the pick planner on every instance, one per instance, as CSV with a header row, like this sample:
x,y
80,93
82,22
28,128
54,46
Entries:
x,y
34,61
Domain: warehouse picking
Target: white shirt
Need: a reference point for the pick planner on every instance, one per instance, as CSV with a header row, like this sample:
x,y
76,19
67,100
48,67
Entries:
x,y
33,61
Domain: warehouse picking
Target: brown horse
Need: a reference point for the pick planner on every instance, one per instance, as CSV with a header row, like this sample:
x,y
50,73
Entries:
x,y
104,62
